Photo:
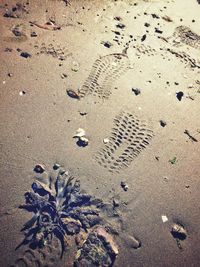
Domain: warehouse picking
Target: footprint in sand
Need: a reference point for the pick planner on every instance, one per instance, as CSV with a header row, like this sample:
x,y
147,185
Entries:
x,y
104,73
128,138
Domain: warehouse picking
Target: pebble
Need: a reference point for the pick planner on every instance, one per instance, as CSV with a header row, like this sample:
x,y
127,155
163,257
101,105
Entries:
x,y
133,242
136,91
33,34
106,140
39,168
124,186
163,123
25,54
178,231
179,95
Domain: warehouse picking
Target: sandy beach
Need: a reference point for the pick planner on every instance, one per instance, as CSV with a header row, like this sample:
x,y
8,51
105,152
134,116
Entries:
x,y
106,92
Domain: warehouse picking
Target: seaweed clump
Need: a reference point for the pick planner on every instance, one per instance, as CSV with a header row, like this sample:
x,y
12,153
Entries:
x,y
59,210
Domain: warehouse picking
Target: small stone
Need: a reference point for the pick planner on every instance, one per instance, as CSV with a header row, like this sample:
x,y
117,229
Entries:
x,y
82,113
179,232
56,166
75,66
143,38
136,91
163,123
146,24
10,75
115,203
63,75
133,242
21,93
107,44
33,34
179,95
106,140
121,25
124,186
39,168
158,31
25,54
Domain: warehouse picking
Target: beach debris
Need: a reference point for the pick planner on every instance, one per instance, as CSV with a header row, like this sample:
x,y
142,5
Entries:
x,y
62,211
179,95
167,18
16,11
72,94
120,25
82,139
75,66
192,138
17,30
63,75
173,160
25,55
133,242
39,168
33,34
178,231
83,113
143,38
79,133
56,166
158,31
107,44
163,123
164,218
117,18
8,49
49,25
125,186
136,91
147,24
21,93
99,249
106,140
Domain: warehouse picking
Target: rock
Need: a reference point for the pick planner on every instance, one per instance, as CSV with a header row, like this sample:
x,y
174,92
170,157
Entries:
x,y
163,123
179,95
106,140
121,25
17,31
25,54
136,91
56,166
133,242
33,34
178,231
39,168
82,141
124,186
107,44
72,94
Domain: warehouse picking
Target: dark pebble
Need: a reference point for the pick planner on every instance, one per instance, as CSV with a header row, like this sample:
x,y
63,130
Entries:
x,y
179,95
136,91
163,123
25,54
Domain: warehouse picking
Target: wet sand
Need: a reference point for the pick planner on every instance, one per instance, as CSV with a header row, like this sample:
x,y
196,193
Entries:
x,y
135,66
